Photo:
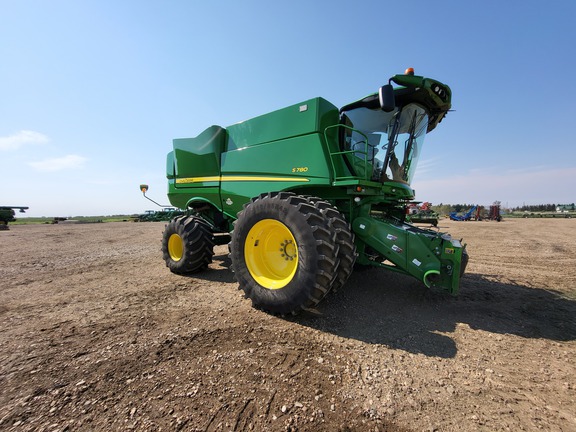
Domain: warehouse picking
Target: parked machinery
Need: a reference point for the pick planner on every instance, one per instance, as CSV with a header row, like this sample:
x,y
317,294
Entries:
x,y
167,213
7,215
421,213
303,193
469,215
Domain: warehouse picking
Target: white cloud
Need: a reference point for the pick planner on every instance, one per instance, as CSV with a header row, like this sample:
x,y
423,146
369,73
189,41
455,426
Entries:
x,y
17,140
428,165
58,164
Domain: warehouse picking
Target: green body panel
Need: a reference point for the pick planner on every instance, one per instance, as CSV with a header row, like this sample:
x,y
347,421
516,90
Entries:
x,y
310,116
193,168
200,156
170,168
200,194
288,164
304,148
398,190
282,150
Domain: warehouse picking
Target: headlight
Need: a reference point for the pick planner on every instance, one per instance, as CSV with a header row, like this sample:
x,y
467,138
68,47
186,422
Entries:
x,y
439,91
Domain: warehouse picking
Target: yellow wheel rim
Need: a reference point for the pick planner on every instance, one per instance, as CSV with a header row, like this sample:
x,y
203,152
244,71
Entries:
x,y
175,247
271,254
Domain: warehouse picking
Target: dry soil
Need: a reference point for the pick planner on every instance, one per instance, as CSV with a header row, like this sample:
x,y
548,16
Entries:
x,y
97,334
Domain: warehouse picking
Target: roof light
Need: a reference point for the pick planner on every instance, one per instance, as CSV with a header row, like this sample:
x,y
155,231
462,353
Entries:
x,y
409,71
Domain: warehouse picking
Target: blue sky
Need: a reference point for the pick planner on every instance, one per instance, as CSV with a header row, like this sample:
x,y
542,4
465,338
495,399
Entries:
x,y
92,92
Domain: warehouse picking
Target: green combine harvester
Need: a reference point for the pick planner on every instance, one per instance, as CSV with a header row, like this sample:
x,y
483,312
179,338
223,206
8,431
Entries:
x,y
303,194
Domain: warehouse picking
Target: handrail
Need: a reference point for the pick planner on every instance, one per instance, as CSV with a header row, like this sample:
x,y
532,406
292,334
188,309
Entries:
x,y
356,151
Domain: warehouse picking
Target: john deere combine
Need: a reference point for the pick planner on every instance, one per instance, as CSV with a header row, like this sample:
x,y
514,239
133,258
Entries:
x,y
303,193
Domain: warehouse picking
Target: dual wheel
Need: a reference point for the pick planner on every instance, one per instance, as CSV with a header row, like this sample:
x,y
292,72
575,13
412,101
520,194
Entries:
x,y
287,251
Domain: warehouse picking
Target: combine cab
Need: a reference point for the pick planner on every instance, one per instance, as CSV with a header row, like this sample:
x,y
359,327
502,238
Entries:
x,y
303,193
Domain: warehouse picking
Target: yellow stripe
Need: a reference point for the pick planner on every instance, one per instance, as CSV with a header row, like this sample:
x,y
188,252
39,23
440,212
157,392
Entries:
x,y
198,179
239,178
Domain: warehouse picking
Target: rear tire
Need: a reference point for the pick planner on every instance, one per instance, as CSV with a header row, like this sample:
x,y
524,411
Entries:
x,y
283,253
187,245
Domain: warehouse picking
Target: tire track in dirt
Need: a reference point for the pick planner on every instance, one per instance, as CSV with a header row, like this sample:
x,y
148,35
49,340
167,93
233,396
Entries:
x,y
97,334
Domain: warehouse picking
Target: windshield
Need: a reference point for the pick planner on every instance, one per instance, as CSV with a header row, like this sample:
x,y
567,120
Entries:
x,y
387,144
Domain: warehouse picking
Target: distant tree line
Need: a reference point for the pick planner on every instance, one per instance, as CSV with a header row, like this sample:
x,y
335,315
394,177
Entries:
x,y
536,208
544,207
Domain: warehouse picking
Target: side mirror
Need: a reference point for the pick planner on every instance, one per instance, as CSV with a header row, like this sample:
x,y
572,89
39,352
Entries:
x,y
386,98
144,188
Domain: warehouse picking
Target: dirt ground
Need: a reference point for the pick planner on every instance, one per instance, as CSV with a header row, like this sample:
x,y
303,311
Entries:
x,y
97,334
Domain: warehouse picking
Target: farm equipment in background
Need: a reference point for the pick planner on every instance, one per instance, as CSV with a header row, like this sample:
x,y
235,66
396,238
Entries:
x,y
304,193
158,215
479,213
494,212
469,215
421,213
565,215
7,215
167,213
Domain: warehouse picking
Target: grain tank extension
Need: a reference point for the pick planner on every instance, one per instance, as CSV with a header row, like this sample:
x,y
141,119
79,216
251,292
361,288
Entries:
x,y
304,194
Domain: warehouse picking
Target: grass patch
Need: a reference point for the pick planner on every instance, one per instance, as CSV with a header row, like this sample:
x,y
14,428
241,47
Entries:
x,y
81,219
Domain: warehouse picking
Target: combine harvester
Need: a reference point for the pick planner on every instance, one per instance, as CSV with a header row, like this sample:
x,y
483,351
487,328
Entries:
x,y
303,193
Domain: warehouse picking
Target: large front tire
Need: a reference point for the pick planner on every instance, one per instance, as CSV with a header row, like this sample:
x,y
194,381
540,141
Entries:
x,y
284,253
187,245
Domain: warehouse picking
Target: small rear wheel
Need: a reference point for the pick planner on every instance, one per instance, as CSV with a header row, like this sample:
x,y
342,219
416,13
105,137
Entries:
x,y
187,245
283,253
